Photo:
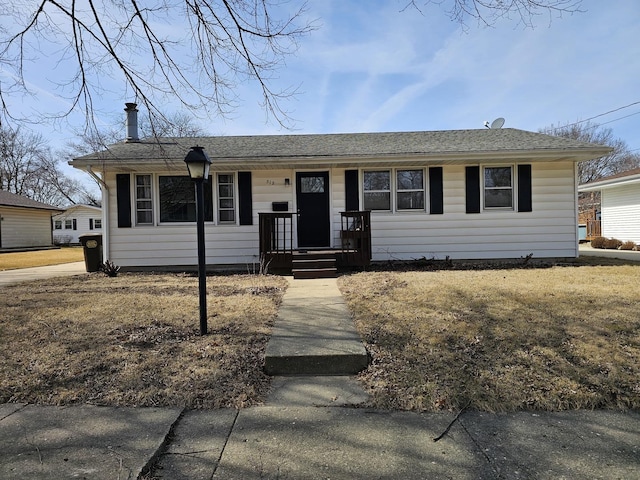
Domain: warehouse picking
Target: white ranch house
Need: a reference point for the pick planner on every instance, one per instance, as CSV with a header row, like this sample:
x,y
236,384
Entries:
x,y
619,205
75,221
464,194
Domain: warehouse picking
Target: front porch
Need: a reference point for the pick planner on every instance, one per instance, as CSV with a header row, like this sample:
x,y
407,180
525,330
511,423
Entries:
x,y
278,251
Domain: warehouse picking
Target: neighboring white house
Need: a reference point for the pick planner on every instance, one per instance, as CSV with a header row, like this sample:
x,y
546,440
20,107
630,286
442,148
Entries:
x,y
619,205
75,221
24,223
465,194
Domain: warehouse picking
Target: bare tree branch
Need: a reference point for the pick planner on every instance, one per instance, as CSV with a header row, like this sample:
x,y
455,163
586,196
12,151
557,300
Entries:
x,y
488,12
195,51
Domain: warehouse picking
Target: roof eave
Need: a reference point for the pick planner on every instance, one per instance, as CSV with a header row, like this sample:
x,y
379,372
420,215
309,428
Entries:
x,y
354,161
605,184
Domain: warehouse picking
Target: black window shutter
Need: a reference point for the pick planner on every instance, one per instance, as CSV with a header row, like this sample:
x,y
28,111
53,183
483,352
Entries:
x,y
435,191
352,200
245,202
123,194
75,224
91,224
472,187
524,188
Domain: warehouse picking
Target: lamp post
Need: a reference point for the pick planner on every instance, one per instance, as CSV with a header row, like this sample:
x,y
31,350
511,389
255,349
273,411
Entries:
x,y
198,165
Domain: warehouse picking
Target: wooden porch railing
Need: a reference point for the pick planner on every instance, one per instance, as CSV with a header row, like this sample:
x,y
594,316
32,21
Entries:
x,y
276,239
594,229
355,238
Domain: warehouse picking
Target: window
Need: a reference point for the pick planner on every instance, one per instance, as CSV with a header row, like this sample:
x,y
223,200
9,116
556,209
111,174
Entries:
x,y
226,201
498,187
377,190
68,224
97,223
57,225
312,185
144,203
178,199
410,189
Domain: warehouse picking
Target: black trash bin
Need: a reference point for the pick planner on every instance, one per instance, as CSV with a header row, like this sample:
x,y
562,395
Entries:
x,y
92,246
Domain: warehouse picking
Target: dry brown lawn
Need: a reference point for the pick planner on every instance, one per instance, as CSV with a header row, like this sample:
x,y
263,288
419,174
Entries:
x,y
39,258
500,340
133,340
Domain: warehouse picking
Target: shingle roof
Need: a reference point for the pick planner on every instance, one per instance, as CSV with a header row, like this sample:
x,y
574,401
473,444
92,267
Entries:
x,y
630,176
9,199
269,148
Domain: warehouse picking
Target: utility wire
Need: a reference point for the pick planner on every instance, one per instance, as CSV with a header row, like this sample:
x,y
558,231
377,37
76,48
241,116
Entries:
x,y
603,114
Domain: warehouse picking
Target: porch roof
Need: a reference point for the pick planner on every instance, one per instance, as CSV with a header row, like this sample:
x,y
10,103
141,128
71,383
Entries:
x,y
347,150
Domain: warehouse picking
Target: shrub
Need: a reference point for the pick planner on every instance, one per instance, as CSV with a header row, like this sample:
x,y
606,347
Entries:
x,y
110,269
598,242
612,243
628,245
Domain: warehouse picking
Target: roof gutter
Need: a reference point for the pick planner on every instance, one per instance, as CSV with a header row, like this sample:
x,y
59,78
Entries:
x,y
105,212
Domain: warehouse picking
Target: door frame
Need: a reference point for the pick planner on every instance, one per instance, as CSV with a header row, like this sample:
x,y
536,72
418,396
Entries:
x,y
326,174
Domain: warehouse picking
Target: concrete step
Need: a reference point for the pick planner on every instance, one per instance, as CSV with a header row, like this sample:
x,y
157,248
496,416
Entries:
x,y
307,263
314,254
311,273
314,333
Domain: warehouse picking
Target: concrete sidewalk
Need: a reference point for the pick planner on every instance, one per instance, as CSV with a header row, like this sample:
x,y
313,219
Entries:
x,y
313,442
10,277
313,427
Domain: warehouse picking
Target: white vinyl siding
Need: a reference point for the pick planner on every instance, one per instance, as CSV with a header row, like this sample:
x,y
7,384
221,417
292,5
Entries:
x,y
25,227
621,212
548,231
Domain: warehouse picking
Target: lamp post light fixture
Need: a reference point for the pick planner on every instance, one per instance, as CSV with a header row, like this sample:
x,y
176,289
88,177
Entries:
x,y
198,165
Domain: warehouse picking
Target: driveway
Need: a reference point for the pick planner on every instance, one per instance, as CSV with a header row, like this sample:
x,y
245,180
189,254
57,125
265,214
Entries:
x,y
586,250
10,277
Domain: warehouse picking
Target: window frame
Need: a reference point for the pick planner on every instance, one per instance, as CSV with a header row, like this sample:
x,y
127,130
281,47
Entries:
x,y
97,224
218,198
394,189
398,191
68,224
390,171
57,224
511,188
137,199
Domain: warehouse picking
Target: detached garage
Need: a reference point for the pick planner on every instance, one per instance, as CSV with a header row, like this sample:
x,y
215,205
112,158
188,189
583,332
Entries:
x,y
24,223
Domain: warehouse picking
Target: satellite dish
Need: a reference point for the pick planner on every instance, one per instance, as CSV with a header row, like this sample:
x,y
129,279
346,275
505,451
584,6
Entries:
x,y
497,123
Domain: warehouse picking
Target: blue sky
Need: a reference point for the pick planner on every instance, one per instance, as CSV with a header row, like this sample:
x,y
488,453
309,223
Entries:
x,y
372,67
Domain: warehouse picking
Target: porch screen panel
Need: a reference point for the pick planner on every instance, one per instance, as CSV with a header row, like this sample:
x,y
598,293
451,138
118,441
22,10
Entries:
x,y
123,199
472,189
525,203
436,192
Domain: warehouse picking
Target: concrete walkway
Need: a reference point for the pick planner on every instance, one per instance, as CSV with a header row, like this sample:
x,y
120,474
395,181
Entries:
x,y
10,277
586,250
313,427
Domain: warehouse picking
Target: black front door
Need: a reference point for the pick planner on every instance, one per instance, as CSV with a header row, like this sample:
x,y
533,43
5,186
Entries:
x,y
312,196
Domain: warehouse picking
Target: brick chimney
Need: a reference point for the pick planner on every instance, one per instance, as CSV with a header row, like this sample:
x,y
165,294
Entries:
x,y
132,122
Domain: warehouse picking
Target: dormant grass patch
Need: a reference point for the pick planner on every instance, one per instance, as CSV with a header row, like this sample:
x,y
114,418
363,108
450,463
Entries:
x,y
500,340
39,258
134,340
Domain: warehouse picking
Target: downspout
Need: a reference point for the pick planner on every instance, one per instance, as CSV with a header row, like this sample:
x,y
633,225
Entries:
x,y
105,212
